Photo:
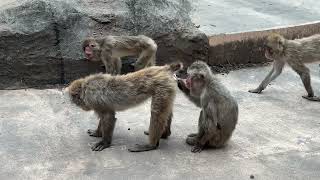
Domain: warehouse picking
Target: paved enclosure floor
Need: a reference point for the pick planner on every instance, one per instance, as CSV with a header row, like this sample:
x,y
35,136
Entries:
x,y
227,16
43,136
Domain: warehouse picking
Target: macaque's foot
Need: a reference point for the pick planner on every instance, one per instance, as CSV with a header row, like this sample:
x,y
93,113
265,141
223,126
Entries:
x,y
312,98
94,133
142,147
100,146
196,149
258,91
165,135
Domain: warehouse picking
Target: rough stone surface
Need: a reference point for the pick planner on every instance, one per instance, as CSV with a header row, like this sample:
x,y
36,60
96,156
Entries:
x,y
29,53
43,136
40,39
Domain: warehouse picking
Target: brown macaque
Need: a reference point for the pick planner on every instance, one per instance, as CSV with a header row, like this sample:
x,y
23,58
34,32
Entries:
x,y
105,94
219,110
295,53
110,49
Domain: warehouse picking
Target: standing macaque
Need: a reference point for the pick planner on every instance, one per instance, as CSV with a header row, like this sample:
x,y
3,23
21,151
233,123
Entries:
x,y
219,110
110,49
295,53
105,94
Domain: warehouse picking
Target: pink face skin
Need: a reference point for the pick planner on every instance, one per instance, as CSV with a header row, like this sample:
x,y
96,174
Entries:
x,y
188,82
88,52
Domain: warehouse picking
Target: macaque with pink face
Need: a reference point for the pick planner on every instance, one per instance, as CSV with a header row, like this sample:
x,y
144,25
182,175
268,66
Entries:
x,y
110,49
219,110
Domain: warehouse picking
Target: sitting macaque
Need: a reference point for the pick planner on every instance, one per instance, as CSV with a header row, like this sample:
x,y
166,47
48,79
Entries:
x,y
295,53
110,49
105,94
219,110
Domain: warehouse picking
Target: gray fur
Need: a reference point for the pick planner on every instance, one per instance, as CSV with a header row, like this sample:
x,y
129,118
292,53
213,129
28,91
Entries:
x,y
219,110
295,53
110,49
106,94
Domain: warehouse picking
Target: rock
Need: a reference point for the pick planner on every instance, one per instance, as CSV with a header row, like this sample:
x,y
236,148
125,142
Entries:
x,y
40,40
28,46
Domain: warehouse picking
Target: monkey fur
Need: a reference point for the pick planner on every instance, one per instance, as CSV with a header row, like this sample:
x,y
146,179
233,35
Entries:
x,y
110,49
105,94
295,53
219,110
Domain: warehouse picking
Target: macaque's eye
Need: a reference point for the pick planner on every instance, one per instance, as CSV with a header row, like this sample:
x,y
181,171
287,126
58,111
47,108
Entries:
x,y
92,45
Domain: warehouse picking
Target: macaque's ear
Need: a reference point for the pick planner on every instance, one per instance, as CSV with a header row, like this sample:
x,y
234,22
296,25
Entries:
x,y
84,44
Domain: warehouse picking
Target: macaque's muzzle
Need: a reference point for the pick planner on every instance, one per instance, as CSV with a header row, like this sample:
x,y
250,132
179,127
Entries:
x,y
88,52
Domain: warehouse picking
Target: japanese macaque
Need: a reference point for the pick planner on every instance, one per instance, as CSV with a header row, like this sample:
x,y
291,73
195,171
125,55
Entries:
x,y
106,94
295,53
219,110
110,49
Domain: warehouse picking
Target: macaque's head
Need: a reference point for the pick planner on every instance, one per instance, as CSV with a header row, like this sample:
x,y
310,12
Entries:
x,y
75,91
275,45
197,74
91,49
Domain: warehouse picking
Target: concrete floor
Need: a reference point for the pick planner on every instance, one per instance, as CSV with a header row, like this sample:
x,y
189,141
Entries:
x,y
43,136
227,16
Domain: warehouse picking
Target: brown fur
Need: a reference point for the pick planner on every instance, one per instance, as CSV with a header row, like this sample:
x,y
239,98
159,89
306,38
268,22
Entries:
x,y
219,110
295,53
110,48
106,94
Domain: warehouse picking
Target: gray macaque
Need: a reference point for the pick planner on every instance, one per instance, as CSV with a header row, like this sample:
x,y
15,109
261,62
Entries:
x,y
295,53
219,110
110,49
105,94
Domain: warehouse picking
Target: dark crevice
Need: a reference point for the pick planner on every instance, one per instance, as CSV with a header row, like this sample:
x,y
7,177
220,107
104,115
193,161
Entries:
x,y
57,44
